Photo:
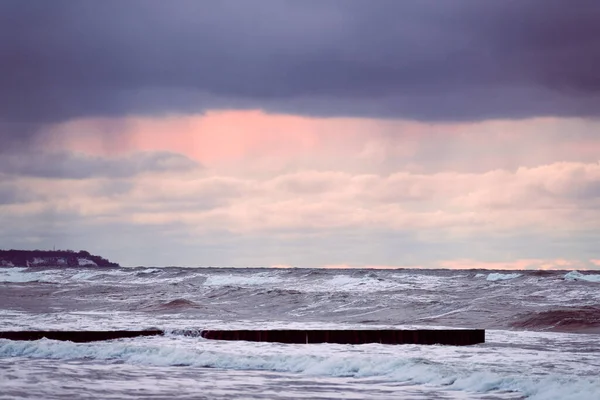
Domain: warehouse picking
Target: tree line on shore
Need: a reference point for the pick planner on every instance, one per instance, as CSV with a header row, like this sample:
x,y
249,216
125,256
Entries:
x,y
66,258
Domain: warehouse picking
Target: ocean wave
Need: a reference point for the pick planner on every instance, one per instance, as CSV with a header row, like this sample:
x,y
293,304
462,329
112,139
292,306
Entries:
x,y
110,276
278,292
542,273
85,275
388,367
172,305
19,275
193,333
344,283
565,319
493,277
304,284
241,280
149,271
578,276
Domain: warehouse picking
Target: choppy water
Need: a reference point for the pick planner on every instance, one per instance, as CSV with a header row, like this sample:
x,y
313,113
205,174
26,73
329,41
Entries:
x,y
542,340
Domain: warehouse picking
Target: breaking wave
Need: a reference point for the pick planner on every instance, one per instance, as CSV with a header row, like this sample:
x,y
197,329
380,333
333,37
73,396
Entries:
x,y
344,283
493,277
508,298
241,280
18,275
578,276
412,370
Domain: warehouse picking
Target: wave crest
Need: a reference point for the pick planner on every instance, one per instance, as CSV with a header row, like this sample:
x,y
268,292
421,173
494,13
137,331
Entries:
x,y
177,304
495,276
563,319
578,276
391,368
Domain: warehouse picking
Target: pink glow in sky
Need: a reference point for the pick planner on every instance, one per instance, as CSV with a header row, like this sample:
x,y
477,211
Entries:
x,y
286,177
285,133
214,137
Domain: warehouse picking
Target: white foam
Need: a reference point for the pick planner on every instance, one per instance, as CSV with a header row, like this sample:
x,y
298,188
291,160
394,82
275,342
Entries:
x,y
344,283
331,284
85,275
151,270
426,282
17,275
411,365
113,277
501,277
241,280
553,387
578,276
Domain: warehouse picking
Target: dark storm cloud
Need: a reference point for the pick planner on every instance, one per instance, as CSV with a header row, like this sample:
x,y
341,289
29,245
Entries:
x,y
423,59
78,166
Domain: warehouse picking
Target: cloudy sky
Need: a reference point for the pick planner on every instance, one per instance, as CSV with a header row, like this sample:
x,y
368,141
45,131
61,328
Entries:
x,y
307,133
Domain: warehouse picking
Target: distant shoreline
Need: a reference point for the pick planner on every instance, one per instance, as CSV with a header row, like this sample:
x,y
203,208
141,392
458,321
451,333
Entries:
x,y
52,258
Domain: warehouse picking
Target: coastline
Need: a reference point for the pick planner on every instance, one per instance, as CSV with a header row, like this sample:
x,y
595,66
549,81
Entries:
x,y
53,258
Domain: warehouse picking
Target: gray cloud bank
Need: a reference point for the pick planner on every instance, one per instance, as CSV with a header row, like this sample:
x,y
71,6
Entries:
x,y
421,59
66,165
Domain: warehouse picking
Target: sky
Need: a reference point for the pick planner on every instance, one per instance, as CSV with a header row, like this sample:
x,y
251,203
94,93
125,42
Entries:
x,y
303,133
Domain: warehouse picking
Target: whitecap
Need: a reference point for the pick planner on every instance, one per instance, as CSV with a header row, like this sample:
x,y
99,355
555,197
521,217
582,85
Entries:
x,y
18,275
241,280
319,361
493,277
578,276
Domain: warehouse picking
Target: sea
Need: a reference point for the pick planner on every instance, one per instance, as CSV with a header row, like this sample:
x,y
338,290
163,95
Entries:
x,y
542,333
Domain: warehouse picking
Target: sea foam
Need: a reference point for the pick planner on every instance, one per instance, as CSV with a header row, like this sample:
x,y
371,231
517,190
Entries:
x,y
493,277
241,280
578,276
322,363
18,275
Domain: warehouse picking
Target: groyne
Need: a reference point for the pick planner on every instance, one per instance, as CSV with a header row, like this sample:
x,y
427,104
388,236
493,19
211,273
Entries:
x,y
77,336
453,337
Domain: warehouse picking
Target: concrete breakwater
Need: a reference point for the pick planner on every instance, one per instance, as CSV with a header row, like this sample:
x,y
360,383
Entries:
x,y
77,336
453,337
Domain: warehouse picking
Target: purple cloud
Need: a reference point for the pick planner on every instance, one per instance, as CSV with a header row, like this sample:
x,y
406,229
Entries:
x,y
426,60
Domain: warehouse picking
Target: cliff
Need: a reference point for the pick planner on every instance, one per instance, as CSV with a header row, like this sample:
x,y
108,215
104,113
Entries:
x,y
57,258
